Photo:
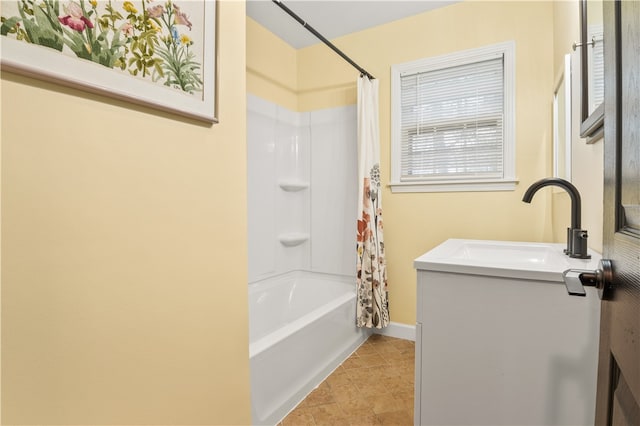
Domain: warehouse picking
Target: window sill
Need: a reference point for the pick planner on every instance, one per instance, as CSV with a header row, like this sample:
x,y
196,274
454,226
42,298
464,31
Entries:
x,y
455,186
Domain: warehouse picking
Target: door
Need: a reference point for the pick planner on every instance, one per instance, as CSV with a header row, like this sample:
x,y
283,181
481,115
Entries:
x,y
618,394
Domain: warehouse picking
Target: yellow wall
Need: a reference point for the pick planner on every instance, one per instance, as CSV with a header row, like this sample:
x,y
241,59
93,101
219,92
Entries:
x,y
587,160
124,275
415,223
271,67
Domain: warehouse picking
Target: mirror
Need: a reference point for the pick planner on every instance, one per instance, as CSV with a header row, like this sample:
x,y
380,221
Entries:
x,y
562,123
592,69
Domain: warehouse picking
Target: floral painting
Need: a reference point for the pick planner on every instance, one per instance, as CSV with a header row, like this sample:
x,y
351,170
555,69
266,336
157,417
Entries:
x,y
164,46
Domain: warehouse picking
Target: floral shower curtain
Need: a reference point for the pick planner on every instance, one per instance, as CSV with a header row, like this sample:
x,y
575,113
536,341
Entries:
x,y
371,279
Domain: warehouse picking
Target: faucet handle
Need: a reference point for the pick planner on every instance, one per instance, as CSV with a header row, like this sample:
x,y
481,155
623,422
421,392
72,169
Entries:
x,y
602,278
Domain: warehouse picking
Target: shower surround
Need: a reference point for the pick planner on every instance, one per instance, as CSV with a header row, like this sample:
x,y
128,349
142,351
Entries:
x,y
302,189
302,193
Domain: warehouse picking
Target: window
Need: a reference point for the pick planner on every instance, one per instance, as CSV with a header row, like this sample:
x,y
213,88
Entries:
x,y
453,122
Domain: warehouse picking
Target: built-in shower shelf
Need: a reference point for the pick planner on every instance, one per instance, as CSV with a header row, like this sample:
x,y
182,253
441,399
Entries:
x,y
292,239
293,185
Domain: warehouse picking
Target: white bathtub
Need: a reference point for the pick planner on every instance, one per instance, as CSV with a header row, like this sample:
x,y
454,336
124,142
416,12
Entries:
x,y
301,327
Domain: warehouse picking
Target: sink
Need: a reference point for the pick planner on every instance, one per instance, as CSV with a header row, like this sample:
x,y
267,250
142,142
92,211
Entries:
x,y
514,259
512,253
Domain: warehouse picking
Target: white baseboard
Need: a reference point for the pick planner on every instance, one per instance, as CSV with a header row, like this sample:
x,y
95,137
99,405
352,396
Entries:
x,y
398,330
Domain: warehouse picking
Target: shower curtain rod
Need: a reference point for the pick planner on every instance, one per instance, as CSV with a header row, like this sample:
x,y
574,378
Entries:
x,y
322,38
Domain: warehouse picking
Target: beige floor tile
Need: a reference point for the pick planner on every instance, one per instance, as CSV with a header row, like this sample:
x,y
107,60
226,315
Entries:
x,y
320,396
345,392
353,362
362,417
396,418
385,347
385,403
365,375
373,386
406,344
329,414
340,379
348,406
299,417
373,360
373,389
366,350
395,384
406,397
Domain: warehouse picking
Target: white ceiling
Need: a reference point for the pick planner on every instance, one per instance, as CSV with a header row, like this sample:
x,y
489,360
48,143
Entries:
x,y
333,18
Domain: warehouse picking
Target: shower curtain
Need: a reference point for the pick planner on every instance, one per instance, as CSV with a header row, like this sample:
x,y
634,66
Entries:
x,y
371,279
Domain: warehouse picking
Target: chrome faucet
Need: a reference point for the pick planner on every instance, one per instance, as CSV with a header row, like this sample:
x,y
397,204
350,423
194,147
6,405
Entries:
x,y
576,237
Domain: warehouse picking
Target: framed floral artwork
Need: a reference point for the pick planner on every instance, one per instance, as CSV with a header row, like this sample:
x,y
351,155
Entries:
x,y
159,53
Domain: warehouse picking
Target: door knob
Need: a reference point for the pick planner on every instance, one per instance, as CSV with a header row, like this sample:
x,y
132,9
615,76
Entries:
x,y
602,278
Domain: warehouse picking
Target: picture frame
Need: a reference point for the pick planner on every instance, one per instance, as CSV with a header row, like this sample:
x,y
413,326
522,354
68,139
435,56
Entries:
x,y
591,70
99,47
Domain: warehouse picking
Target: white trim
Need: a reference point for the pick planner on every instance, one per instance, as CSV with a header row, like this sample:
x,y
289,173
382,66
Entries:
x,y
461,57
398,330
507,183
455,186
565,77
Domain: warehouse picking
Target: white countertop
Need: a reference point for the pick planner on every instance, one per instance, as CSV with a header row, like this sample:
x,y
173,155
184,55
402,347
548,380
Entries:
x,y
525,260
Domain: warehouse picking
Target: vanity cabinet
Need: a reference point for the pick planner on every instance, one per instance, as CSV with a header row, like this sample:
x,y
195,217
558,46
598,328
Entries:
x,y
498,339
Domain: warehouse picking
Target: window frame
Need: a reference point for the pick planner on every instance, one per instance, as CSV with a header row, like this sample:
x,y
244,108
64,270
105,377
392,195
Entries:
x,y
508,181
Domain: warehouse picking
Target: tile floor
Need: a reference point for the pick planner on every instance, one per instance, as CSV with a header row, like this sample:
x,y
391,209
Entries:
x,y
374,386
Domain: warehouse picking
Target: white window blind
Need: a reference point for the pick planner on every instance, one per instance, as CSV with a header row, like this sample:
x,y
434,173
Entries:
x,y
452,122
